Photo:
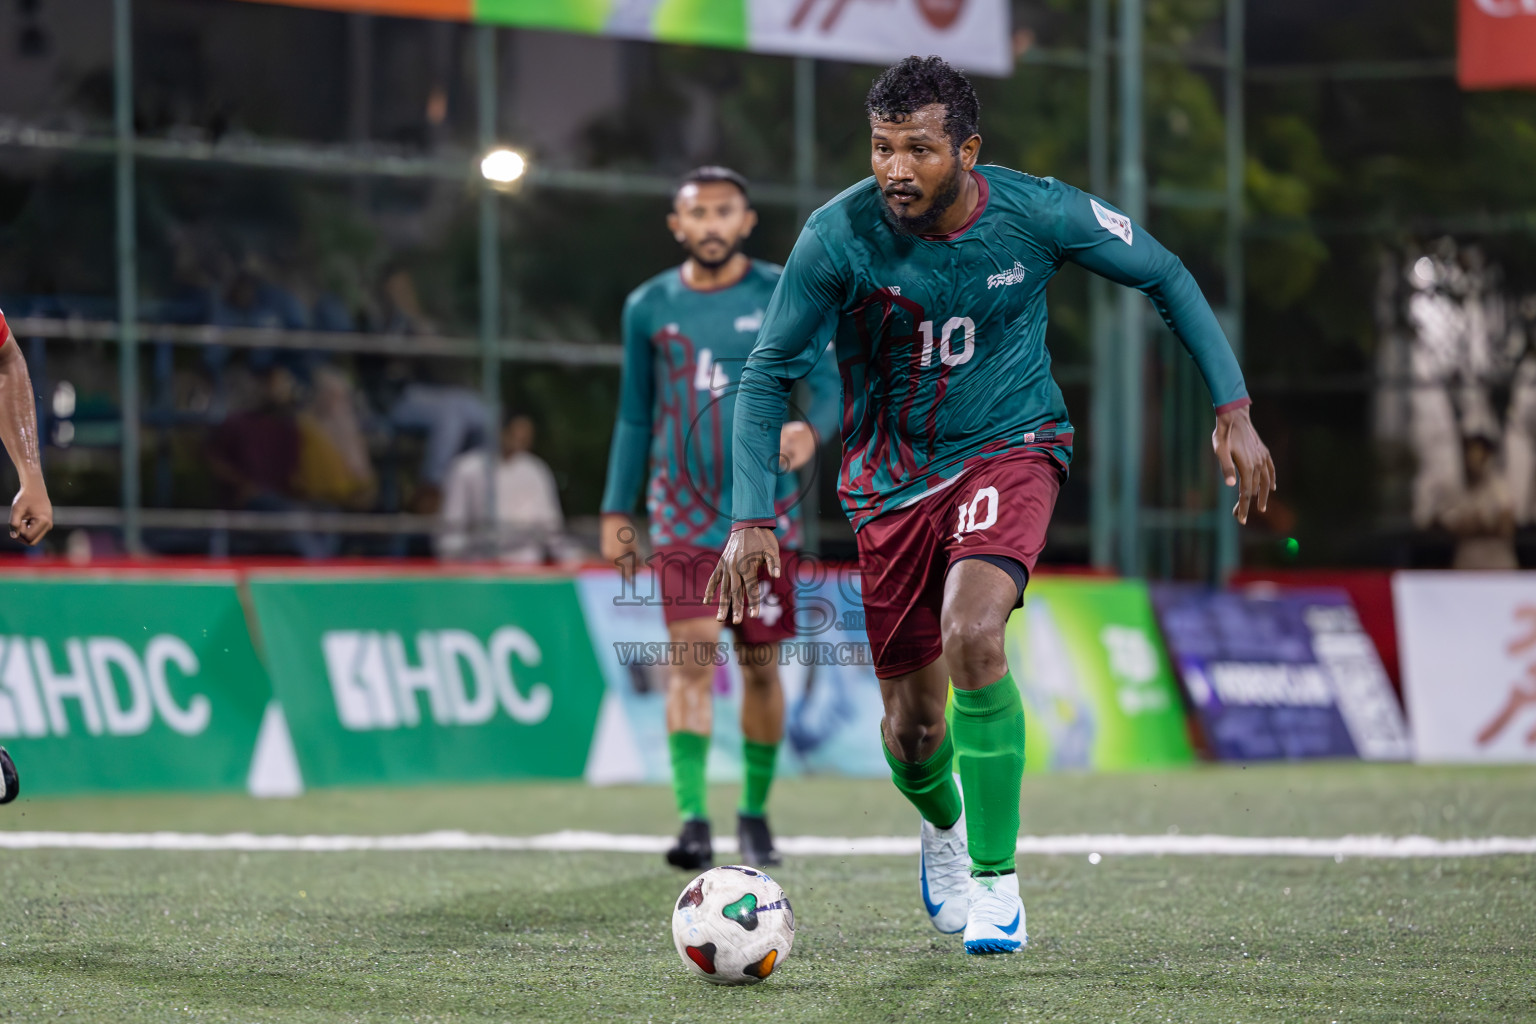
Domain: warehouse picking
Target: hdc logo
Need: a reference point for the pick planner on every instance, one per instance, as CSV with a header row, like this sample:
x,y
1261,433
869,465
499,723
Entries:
x,y
377,681
112,687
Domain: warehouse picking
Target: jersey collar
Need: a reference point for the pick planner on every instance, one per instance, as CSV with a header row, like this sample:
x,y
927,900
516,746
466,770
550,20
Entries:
x,y
719,288
981,204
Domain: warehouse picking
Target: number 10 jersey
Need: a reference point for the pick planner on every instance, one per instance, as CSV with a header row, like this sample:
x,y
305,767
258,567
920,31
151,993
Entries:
x,y
940,340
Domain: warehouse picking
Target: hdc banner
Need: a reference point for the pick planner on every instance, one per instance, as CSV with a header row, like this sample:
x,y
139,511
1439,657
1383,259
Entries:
x,y
115,683
390,680
1496,46
1468,641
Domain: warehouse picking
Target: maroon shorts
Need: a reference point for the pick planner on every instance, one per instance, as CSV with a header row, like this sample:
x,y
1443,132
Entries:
x,y
682,574
1000,507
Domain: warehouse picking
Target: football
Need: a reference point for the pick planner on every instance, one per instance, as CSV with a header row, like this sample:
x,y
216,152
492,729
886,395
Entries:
x,y
733,925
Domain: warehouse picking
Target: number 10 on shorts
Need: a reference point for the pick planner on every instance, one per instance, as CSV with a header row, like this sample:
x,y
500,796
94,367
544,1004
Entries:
x,y
978,513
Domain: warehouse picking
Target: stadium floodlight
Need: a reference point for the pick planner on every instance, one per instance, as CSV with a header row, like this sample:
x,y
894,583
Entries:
x,y
503,166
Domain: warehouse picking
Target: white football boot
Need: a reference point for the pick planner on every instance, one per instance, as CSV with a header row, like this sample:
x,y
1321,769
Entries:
x,y
944,869
996,922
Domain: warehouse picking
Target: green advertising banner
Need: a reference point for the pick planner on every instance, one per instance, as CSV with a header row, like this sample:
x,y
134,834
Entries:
x,y
405,680
1098,690
113,683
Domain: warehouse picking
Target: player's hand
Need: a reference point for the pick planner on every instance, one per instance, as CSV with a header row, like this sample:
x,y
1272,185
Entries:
x,y
620,543
797,445
734,580
31,513
1244,462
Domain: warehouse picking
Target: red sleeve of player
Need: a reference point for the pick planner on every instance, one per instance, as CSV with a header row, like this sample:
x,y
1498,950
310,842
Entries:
x,y
5,329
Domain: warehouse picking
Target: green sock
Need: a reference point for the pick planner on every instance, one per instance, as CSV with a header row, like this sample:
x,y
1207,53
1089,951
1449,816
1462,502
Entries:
x,y
989,738
689,751
757,764
929,785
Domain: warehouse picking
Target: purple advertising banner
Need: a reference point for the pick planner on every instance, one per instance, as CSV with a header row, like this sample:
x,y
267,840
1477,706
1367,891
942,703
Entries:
x,y
1275,675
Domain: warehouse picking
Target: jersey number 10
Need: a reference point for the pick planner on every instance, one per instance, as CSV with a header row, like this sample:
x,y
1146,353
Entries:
x,y
947,355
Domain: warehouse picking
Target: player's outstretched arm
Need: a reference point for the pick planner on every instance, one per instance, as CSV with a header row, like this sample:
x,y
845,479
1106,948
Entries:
x,y
734,581
31,511
1100,238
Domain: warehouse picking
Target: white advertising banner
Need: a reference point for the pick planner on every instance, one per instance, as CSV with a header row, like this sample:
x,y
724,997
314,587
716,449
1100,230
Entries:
x,y
1468,643
971,34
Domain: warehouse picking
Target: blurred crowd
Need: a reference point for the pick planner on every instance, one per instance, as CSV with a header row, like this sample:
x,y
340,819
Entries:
x,y
303,430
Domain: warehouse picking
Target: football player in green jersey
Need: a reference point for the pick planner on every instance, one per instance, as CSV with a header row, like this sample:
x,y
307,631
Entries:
x,y
31,511
930,278
687,333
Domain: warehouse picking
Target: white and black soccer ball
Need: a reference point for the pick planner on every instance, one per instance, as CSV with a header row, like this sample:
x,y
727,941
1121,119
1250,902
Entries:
x,y
733,925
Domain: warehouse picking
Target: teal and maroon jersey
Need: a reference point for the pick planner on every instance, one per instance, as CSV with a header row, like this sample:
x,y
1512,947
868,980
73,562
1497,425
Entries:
x,y
940,340
684,350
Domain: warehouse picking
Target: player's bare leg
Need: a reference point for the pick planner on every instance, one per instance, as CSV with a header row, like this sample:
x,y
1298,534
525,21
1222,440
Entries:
x,y
989,744
762,729
921,754
690,719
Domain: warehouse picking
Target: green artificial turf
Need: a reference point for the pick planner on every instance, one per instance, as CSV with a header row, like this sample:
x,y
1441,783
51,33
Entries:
x,y
129,936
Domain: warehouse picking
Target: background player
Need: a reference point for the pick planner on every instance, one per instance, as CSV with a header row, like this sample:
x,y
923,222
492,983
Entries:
x,y
955,444
687,332
31,511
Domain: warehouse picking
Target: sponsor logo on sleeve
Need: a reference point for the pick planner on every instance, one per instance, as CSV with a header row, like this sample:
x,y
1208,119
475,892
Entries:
x,y
1115,223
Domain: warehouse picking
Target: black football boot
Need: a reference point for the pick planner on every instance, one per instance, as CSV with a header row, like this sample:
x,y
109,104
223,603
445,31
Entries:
x,y
756,842
693,850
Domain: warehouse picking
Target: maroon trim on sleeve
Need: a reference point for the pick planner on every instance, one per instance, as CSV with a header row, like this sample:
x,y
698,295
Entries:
x,y
1241,403
747,524
981,204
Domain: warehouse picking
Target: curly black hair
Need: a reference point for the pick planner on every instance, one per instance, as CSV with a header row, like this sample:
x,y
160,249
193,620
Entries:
x,y
713,173
913,83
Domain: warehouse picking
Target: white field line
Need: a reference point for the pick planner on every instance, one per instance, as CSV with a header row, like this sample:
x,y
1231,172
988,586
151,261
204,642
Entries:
x,y
804,846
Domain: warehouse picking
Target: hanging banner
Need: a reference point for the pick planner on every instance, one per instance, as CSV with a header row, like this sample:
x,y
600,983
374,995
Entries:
x,y
831,696
1468,642
972,34
1496,44
117,684
1098,690
1281,674
411,680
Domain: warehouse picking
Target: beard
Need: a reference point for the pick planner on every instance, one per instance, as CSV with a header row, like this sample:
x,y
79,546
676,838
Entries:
x,y
922,223
712,264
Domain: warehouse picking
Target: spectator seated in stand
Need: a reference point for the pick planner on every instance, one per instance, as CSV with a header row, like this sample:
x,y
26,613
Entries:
x,y
334,467
528,517
1483,516
252,300
450,416
254,458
